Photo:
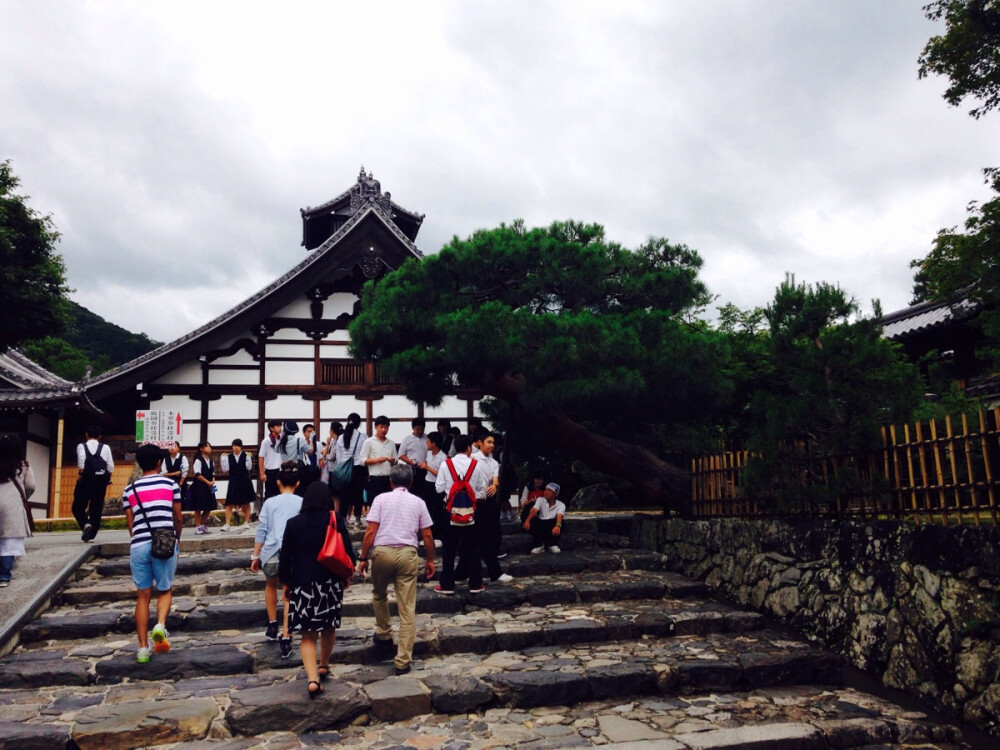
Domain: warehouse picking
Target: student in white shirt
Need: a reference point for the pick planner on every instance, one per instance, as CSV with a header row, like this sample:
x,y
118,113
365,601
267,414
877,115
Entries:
x,y
545,521
379,455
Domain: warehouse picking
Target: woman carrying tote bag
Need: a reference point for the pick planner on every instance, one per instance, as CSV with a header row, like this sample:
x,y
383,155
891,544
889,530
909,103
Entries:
x,y
17,483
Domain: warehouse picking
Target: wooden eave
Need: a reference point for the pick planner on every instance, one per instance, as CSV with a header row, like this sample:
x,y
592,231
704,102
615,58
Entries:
x,y
337,256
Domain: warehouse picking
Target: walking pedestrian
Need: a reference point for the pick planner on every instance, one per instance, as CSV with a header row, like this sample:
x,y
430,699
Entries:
x,y
461,539
240,493
153,502
94,469
313,595
266,554
396,521
17,484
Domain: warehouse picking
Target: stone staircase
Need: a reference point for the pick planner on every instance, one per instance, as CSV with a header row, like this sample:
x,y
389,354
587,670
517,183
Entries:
x,y
595,646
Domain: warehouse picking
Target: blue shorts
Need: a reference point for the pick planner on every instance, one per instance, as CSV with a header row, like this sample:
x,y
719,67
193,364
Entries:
x,y
146,569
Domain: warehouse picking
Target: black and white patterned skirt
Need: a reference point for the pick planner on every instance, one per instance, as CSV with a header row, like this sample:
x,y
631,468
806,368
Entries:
x,y
316,606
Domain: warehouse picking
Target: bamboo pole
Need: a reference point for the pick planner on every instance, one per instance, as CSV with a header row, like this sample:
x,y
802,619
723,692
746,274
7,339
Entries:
x,y
956,493
991,494
936,452
973,490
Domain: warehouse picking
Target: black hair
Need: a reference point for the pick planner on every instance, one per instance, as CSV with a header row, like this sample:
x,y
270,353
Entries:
x,y
317,497
435,437
462,443
480,434
336,428
309,426
353,423
95,431
273,423
202,444
380,420
11,464
446,423
148,456
238,442
418,422
288,474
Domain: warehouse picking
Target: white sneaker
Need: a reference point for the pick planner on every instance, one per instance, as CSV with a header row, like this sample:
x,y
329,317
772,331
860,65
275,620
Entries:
x,y
199,529
225,527
505,578
554,550
438,544
538,550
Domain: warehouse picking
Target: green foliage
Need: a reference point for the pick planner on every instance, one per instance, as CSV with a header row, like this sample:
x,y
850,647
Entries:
x,y
62,358
967,264
32,275
553,319
833,381
968,53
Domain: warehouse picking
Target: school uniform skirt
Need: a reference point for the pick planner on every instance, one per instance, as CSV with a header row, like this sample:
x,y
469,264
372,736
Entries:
x,y
202,498
240,490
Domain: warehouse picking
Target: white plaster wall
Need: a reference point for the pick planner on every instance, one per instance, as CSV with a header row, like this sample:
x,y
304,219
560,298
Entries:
x,y
222,435
285,334
190,434
241,357
338,304
291,350
233,407
451,407
394,407
334,351
233,377
38,457
289,407
399,430
338,407
297,309
188,373
290,373
189,408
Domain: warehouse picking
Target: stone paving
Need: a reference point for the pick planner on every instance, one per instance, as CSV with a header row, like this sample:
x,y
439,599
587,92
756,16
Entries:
x,y
597,647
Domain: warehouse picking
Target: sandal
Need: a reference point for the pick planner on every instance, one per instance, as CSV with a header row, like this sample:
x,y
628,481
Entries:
x,y
324,672
317,691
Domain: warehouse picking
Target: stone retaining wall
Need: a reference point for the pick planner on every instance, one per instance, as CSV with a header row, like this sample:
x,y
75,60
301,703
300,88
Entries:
x,y
916,606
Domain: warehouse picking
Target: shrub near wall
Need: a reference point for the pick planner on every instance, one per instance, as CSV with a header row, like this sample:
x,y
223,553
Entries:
x,y
917,606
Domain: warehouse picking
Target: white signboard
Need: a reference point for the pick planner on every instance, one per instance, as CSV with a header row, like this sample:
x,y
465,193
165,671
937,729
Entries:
x,y
158,426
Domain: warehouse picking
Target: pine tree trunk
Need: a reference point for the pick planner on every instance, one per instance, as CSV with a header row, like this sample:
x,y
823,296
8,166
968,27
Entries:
x,y
658,482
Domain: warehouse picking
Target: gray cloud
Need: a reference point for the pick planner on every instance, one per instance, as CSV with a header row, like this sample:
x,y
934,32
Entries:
x,y
174,143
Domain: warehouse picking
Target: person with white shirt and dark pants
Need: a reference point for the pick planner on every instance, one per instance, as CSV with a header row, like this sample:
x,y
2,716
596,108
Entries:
x,y
487,515
91,485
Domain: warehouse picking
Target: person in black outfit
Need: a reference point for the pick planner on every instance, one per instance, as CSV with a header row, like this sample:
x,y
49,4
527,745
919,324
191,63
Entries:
x,y
312,593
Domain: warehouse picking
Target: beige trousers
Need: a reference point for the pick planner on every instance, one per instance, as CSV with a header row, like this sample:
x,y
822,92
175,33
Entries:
x,y
399,566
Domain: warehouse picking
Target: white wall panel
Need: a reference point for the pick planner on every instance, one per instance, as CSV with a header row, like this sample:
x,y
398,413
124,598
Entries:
x,y
233,377
297,309
188,373
233,407
334,351
222,435
290,373
338,304
189,408
289,407
190,434
241,357
452,407
290,350
338,407
285,334
394,407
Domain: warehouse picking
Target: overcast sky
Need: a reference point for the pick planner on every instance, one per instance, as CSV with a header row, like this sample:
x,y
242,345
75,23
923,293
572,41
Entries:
x,y
174,143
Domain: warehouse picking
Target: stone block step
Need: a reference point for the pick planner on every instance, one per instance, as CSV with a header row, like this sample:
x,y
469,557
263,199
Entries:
x,y
245,610
790,717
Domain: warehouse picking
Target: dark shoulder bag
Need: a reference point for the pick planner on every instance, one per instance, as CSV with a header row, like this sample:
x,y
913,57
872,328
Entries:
x,y
163,539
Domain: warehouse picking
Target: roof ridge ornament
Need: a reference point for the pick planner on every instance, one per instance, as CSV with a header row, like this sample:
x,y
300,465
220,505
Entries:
x,y
369,190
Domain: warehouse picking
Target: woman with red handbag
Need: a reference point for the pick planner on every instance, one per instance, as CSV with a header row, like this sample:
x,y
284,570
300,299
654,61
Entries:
x,y
313,594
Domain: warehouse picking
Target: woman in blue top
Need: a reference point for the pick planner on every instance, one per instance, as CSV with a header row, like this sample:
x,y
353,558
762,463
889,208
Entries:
x,y
267,545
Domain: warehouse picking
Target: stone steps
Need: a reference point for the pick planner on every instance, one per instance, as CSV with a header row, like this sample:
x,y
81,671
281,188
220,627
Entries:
x,y
653,656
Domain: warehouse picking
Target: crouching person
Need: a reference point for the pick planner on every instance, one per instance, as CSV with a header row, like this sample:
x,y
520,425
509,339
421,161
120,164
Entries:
x,y
545,520
153,503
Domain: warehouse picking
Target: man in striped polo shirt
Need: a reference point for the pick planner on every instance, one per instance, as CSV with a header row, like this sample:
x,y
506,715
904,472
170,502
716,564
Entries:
x,y
152,501
397,522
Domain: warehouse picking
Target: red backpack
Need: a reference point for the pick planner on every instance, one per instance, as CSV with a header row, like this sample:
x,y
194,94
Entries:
x,y
461,497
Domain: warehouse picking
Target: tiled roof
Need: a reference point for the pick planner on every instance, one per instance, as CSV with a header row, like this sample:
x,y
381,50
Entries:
x,y
311,260
24,373
35,386
925,316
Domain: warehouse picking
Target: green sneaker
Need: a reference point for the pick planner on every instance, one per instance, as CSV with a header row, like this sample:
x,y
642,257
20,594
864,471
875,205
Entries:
x,y
143,656
160,643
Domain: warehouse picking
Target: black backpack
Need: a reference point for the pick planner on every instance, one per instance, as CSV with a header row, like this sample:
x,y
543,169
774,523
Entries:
x,y
93,464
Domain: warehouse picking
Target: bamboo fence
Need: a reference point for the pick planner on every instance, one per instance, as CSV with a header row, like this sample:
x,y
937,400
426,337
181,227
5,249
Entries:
x,y
939,471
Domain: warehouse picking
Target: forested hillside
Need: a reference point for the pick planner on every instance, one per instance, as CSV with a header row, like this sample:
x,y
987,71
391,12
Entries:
x,y
89,340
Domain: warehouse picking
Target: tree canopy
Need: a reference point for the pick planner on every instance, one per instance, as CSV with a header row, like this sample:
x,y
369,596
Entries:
x,y
593,339
968,53
32,275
